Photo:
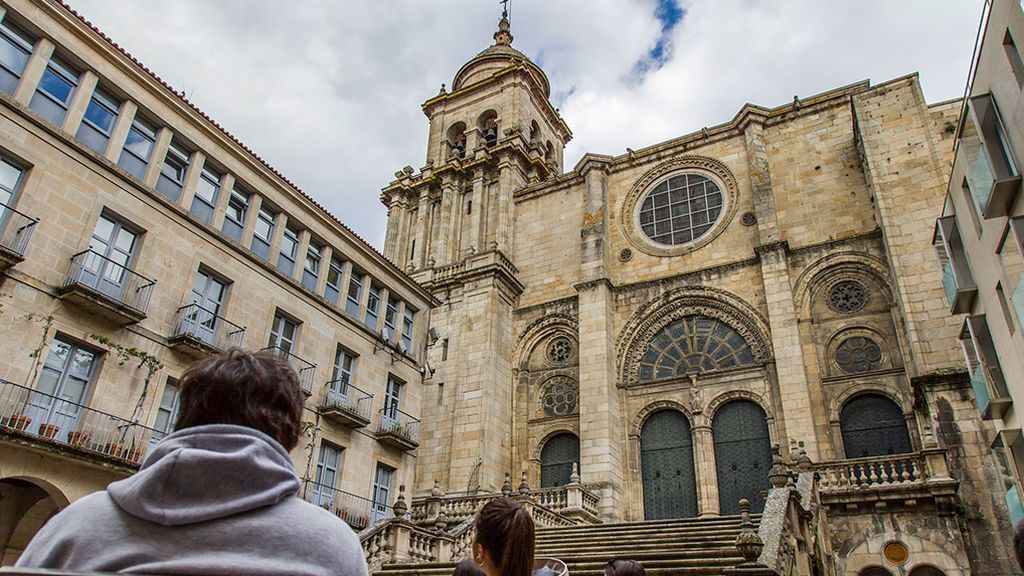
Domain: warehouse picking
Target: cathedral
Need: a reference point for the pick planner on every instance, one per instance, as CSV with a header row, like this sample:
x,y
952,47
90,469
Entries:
x,y
662,325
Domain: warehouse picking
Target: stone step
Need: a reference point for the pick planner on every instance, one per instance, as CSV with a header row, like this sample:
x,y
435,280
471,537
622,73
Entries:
x,y
706,566
713,549
676,535
652,524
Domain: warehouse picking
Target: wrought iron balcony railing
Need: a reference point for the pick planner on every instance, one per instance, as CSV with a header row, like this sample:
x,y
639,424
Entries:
x,y
201,327
357,511
58,421
305,369
15,232
398,428
346,403
113,284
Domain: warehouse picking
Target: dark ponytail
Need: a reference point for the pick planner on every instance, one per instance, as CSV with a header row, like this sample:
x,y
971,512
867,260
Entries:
x,y
505,530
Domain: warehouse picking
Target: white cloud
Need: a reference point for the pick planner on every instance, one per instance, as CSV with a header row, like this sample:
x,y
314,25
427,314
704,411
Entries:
x,y
329,92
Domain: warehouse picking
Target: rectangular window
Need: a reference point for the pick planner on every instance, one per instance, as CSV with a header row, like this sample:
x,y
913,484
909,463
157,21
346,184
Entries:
x,y
382,491
1005,305
234,216
1011,260
172,174
344,365
311,268
372,307
393,397
263,233
332,291
991,171
112,250
328,468
10,178
390,319
98,122
209,293
986,374
167,412
15,49
282,333
355,293
289,249
957,280
408,321
53,95
207,191
1013,58
64,383
138,147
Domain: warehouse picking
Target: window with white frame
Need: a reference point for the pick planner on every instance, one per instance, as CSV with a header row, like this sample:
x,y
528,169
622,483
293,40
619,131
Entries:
x,y
328,472
10,180
167,412
263,234
282,333
390,319
393,397
332,291
1011,259
234,216
355,293
64,382
372,307
408,322
138,147
172,173
15,50
56,87
98,122
382,481
311,267
207,191
289,249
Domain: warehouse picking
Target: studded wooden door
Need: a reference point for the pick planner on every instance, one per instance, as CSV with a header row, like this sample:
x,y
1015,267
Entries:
x,y
666,462
556,460
873,425
742,455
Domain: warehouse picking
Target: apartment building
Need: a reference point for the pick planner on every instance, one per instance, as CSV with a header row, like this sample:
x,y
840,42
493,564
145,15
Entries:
x,y
137,236
979,237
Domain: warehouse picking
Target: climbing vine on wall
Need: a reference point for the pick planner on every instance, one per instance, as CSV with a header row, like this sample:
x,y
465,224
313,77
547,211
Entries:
x,y
126,354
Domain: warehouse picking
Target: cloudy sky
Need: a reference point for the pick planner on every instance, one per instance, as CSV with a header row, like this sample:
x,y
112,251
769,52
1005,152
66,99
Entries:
x,y
329,91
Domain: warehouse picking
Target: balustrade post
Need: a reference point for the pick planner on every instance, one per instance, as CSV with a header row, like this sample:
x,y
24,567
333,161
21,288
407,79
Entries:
x,y
434,503
935,464
401,535
574,491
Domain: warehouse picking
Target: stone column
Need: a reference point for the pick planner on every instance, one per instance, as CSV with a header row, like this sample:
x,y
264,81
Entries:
x,y
227,184
125,117
422,216
192,174
442,247
477,213
704,468
300,255
251,216
326,253
157,155
503,234
33,71
79,101
391,231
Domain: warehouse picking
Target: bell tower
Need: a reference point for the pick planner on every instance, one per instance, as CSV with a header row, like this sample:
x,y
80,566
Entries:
x,y
451,225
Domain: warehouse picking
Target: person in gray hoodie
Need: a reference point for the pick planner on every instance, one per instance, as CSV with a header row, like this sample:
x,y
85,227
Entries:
x,y
216,497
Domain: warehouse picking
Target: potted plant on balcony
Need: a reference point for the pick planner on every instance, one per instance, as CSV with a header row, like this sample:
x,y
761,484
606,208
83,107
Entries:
x,y
18,421
48,430
78,438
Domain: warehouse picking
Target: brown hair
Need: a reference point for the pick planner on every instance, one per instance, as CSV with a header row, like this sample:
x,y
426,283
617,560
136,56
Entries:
x,y
505,530
254,389
624,568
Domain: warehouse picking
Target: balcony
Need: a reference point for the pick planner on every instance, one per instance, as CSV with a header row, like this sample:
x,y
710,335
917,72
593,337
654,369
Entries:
x,y
878,482
198,330
106,287
398,429
345,404
15,232
992,175
991,402
62,424
305,369
356,511
957,280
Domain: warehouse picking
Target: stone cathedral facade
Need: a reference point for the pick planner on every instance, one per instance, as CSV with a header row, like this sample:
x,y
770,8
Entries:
x,y
656,321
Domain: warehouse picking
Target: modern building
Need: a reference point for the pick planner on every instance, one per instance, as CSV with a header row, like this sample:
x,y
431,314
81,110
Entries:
x,y
648,325
980,233
136,236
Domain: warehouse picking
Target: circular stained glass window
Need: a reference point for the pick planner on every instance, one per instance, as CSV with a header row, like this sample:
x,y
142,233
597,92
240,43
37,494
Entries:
x,y
858,354
560,350
560,396
681,209
847,297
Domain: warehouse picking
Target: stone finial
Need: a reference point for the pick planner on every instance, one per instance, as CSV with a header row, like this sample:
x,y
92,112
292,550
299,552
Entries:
x,y
441,522
400,507
436,491
503,36
803,461
778,475
506,488
793,451
748,542
574,478
443,89
524,488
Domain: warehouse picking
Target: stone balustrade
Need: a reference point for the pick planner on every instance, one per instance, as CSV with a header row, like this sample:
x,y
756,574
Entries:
x,y
901,479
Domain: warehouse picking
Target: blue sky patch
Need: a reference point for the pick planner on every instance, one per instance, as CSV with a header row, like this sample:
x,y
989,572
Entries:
x,y
670,14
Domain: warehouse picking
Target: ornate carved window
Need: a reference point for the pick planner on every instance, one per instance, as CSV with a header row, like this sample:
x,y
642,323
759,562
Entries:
x,y
858,354
560,452
560,350
694,344
847,297
681,209
560,396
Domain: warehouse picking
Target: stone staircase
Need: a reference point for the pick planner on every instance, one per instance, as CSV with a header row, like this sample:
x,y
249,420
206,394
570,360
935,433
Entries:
x,y
696,546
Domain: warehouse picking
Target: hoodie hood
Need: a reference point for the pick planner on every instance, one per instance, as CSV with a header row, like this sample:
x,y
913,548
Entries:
x,y
207,472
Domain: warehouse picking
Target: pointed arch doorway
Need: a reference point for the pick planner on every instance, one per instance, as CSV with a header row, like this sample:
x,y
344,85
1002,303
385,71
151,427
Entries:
x,y
666,462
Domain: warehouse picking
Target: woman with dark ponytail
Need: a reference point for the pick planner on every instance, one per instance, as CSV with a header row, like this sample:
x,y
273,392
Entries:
x,y
503,540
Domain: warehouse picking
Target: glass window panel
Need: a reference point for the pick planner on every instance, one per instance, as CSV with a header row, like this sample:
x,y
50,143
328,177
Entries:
x,y
57,86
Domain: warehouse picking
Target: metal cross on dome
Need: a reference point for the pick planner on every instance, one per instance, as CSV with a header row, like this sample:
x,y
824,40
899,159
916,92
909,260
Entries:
x,y
504,9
